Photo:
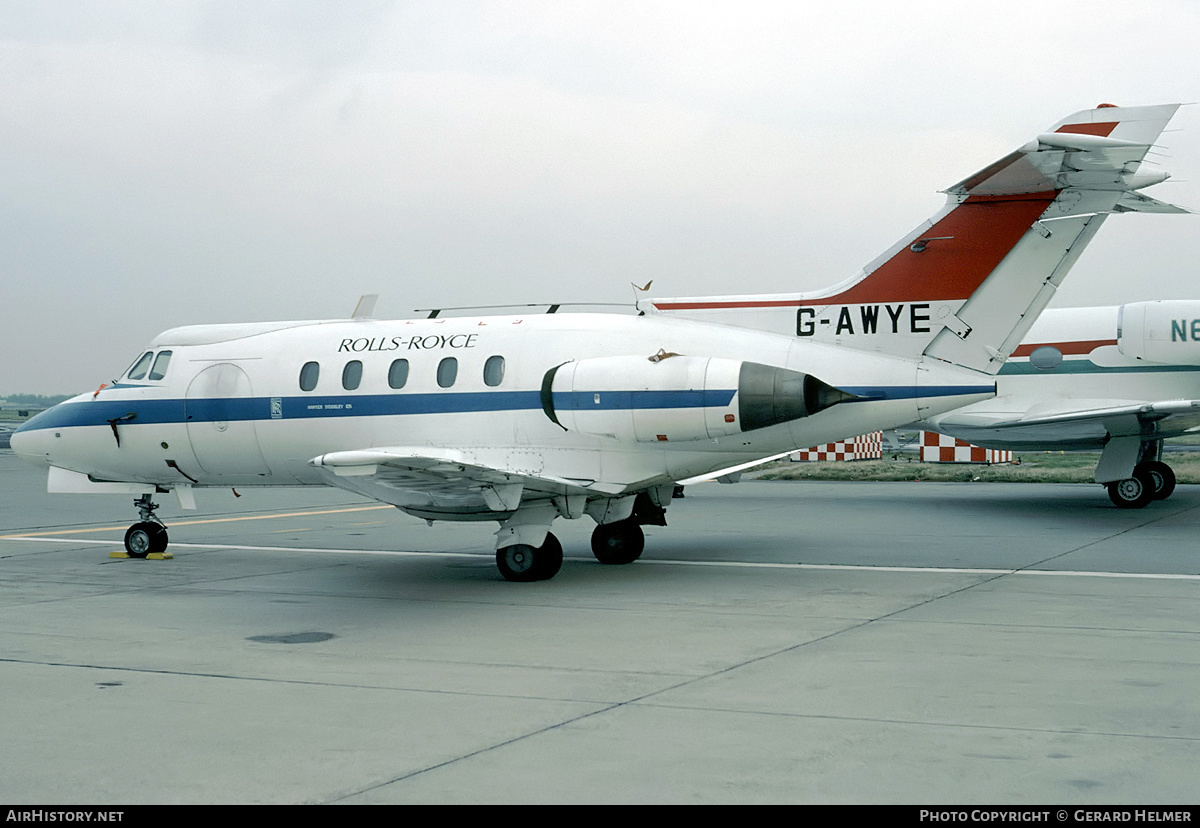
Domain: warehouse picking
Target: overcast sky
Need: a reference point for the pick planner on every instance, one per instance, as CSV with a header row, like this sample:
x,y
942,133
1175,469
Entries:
x,y
170,163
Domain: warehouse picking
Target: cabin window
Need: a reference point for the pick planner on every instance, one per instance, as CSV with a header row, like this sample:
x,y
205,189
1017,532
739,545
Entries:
x,y
447,372
160,365
308,376
139,368
493,371
398,373
352,375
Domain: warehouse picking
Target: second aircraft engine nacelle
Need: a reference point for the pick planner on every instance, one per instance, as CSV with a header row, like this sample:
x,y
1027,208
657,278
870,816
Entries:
x,y
669,397
1166,331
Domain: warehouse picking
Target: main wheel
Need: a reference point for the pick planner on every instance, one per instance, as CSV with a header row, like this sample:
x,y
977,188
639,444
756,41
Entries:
x,y
549,558
620,542
145,538
1163,477
524,563
1132,492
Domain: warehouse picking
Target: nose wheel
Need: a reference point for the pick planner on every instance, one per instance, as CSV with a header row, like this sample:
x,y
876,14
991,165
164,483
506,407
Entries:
x,y
145,538
148,536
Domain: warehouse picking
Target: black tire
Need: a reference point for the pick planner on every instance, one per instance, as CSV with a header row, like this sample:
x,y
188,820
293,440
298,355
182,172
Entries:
x,y
523,563
550,558
618,543
160,539
1163,477
145,538
1133,492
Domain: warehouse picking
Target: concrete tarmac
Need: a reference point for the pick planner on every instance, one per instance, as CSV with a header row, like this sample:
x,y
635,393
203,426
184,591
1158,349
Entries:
x,y
786,642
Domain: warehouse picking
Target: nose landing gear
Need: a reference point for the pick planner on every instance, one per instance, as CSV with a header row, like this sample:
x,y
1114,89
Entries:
x,y
148,536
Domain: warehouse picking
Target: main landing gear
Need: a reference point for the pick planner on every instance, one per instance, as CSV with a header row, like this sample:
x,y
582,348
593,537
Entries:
x,y
621,542
147,536
616,542
1152,480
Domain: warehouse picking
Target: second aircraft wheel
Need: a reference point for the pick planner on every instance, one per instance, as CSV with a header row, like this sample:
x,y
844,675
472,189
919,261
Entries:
x,y
620,542
1163,477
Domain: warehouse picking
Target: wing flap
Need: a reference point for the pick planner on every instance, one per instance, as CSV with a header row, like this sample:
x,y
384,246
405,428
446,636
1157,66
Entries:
x,y
430,480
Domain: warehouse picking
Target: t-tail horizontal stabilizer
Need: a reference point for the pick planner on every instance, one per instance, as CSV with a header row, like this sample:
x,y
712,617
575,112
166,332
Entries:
x,y
965,286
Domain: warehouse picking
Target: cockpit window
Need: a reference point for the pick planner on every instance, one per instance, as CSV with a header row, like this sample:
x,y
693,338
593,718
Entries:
x,y
160,365
139,368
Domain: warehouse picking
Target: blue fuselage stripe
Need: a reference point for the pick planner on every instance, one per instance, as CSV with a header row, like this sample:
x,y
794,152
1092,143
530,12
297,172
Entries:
x,y
616,400
151,411
158,411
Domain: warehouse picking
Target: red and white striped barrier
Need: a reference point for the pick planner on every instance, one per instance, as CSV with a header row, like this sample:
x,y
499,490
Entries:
x,y
865,447
941,448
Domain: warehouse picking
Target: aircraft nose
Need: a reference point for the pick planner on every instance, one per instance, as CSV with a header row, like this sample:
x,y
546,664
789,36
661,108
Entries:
x,y
31,444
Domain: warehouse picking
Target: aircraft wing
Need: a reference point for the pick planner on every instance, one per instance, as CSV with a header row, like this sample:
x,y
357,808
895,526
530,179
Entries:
x,y
1087,425
431,481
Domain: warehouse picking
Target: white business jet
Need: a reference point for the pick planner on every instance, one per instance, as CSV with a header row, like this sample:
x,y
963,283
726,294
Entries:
x,y
524,419
1116,379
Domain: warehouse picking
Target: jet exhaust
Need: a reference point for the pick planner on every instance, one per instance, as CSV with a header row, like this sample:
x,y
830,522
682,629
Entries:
x,y
769,396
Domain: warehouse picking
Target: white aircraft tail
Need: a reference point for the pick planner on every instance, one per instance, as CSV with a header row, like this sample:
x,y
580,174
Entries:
x,y
965,285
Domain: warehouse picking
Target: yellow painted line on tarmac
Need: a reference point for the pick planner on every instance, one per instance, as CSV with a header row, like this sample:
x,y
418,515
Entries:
x,y
122,528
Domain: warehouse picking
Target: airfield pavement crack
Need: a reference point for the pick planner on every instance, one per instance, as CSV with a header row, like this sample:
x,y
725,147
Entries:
x,y
645,697
271,680
1147,522
608,708
648,697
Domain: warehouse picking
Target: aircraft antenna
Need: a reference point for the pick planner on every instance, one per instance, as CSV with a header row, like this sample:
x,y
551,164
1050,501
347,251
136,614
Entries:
x,y
365,309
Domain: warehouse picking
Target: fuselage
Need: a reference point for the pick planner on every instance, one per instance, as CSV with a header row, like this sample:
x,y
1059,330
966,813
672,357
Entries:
x,y
255,404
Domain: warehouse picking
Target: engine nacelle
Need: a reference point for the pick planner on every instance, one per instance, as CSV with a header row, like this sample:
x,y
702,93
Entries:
x,y
669,398
1166,331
